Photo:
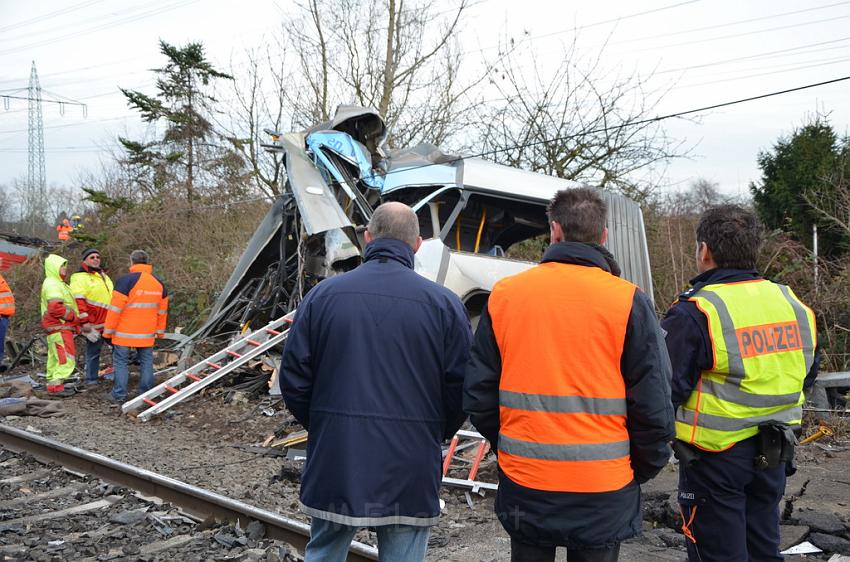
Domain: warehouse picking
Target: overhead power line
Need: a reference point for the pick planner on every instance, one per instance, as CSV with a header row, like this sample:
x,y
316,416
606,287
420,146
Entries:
x,y
682,32
109,25
47,16
42,99
730,24
62,126
748,76
744,33
634,123
766,54
600,130
531,38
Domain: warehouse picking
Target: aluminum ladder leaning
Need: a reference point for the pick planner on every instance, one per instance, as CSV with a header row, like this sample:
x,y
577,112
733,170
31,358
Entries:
x,y
207,371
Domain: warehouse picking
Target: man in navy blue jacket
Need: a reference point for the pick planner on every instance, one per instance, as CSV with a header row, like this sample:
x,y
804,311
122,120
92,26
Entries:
x,y
373,367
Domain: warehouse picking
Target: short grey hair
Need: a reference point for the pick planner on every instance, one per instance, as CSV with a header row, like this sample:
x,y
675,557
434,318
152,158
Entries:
x,y
394,220
140,256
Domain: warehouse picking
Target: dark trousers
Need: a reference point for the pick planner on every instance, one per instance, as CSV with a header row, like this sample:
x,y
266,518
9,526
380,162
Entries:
x,y
4,325
521,552
731,509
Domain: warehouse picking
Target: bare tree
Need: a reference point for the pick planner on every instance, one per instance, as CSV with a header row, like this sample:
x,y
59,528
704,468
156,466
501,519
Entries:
x,y
5,204
833,204
579,122
671,221
31,206
258,96
399,57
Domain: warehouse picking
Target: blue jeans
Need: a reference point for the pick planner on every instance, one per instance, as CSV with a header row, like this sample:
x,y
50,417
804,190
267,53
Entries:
x,y
4,325
120,357
93,360
396,543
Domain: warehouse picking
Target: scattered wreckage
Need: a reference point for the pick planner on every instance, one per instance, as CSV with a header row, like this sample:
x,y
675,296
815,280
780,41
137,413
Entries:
x,y
472,215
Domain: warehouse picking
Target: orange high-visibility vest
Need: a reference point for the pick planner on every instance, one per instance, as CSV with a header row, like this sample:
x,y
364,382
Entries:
x,y
7,299
138,311
560,329
63,231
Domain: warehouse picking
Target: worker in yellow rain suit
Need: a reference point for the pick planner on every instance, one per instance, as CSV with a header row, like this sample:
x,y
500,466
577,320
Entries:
x,y
59,319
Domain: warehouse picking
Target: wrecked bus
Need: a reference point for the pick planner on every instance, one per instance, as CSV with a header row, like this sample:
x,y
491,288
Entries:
x,y
473,214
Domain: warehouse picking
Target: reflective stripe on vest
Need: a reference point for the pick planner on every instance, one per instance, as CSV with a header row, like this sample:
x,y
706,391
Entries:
x,y
562,398
719,423
563,452
562,404
762,354
131,336
7,299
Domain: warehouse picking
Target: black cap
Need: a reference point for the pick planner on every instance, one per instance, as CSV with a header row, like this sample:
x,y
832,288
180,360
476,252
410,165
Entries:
x,y
89,252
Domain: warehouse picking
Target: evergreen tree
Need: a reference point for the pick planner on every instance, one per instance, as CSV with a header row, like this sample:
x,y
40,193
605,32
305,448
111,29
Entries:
x,y
801,164
183,102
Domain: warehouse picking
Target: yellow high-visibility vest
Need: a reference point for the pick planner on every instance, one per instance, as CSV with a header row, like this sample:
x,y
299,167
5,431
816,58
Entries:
x,y
763,343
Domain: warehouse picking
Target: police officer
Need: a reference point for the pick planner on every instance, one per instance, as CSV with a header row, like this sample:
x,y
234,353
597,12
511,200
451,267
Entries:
x,y
742,348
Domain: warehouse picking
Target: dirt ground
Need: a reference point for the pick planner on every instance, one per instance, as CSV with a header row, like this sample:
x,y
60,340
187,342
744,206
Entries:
x,y
198,442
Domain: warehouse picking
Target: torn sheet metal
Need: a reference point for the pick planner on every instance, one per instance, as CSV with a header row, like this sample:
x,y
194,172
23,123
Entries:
x,y
261,244
364,124
472,213
319,209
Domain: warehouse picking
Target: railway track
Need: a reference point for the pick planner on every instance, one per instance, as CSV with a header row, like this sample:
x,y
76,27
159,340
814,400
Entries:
x,y
59,502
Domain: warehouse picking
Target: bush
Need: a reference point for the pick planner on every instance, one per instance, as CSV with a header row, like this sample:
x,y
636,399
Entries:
x,y
193,253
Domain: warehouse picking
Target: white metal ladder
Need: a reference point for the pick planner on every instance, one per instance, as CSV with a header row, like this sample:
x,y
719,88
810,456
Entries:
x,y
202,374
473,439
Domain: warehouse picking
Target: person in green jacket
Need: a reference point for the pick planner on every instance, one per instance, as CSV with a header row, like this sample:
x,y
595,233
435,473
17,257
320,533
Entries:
x,y
59,319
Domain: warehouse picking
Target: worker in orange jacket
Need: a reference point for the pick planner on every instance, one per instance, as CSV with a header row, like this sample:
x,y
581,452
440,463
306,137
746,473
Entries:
x,y
7,310
570,382
64,230
136,316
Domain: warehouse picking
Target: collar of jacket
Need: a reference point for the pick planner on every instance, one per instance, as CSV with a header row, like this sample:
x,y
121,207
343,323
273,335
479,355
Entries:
x,y
388,248
141,268
84,267
723,275
580,253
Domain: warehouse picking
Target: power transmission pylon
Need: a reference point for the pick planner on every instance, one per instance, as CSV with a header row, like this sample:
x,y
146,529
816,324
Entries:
x,y
35,154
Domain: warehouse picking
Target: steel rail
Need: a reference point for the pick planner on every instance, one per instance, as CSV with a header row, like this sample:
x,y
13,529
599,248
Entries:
x,y
195,501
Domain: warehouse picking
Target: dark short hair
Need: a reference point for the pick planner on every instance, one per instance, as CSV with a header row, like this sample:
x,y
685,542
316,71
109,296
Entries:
x,y
394,220
140,256
733,234
581,212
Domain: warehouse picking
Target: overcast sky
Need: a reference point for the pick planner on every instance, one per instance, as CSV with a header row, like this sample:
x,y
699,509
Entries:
x,y
706,52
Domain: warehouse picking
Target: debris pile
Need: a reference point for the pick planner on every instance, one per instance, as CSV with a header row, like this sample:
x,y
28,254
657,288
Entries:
x,y
49,513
